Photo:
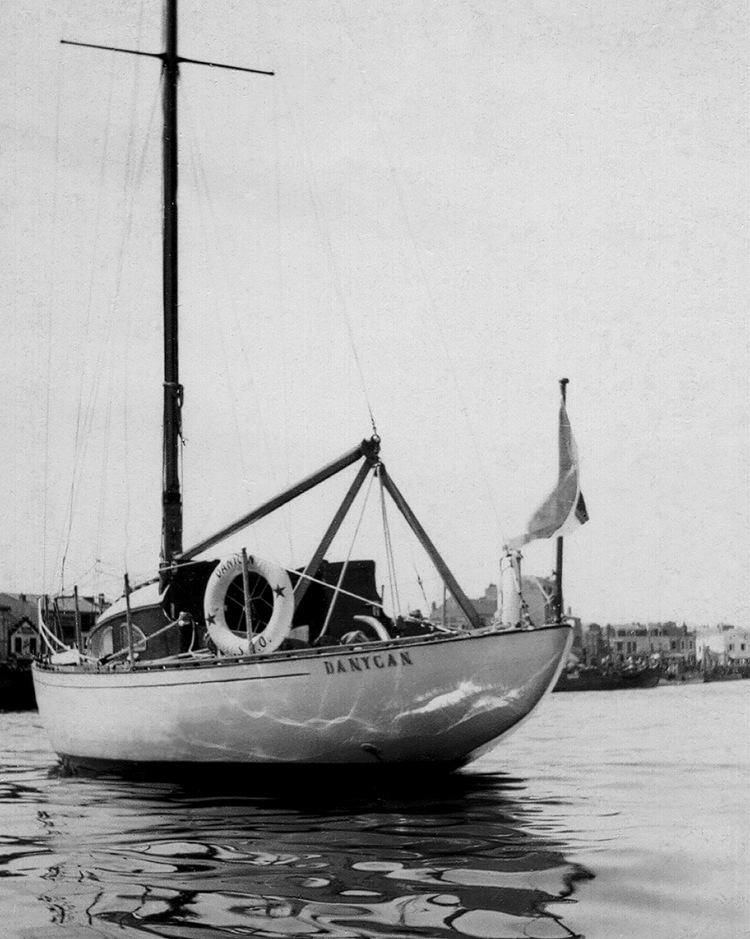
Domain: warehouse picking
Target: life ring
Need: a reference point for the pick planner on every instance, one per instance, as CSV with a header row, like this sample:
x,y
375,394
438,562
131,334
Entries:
x,y
280,621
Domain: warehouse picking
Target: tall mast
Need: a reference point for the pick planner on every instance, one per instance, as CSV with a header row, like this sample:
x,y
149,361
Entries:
x,y
171,544
559,564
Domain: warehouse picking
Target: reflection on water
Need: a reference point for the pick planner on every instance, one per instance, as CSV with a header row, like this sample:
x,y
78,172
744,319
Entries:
x,y
331,857
645,789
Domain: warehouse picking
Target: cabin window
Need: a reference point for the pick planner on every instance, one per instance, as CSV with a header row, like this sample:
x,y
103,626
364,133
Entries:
x,y
18,645
32,646
113,637
100,643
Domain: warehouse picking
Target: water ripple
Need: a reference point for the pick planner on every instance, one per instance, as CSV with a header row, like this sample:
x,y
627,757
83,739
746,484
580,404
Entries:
x,y
100,857
601,790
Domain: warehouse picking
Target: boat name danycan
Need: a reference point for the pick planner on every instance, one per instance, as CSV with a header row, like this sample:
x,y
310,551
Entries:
x,y
362,663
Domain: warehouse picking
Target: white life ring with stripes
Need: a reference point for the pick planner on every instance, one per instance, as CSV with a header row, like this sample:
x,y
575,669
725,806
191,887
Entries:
x,y
280,622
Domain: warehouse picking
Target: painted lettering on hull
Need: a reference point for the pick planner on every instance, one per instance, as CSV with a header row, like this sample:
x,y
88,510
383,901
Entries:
x,y
368,663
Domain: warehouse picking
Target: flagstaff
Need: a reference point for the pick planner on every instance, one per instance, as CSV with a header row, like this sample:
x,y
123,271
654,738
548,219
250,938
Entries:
x,y
559,562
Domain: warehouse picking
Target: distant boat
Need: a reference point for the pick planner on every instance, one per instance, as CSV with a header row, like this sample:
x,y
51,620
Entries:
x,y
726,674
299,666
599,679
690,676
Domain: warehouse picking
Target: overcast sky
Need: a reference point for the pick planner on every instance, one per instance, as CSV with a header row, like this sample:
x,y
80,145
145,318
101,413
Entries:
x,y
470,199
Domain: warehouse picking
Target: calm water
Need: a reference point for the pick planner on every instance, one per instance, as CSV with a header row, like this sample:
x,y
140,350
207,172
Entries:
x,y
609,814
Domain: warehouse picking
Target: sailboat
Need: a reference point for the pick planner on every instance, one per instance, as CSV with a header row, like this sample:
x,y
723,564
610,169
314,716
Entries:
x,y
238,660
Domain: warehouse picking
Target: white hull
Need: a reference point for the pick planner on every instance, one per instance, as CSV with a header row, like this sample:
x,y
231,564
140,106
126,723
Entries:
x,y
440,699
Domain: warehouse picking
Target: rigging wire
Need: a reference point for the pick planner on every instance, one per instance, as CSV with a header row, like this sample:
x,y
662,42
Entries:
x,y
50,287
132,175
345,565
390,557
78,457
422,272
325,236
422,590
133,180
203,190
279,291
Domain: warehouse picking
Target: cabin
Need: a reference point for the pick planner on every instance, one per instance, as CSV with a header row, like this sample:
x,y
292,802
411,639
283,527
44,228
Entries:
x,y
341,604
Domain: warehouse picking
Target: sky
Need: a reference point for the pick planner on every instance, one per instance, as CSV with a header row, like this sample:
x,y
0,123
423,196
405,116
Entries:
x,y
432,213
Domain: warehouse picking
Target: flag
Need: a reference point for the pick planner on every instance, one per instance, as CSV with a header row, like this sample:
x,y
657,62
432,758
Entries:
x,y
564,509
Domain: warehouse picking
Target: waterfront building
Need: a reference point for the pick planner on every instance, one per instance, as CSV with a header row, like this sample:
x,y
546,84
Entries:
x,y
20,641
589,644
737,647
670,645
19,637
539,593
725,645
667,646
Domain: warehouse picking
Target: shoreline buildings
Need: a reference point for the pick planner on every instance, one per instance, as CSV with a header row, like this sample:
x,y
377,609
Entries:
x,y
675,649
20,642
